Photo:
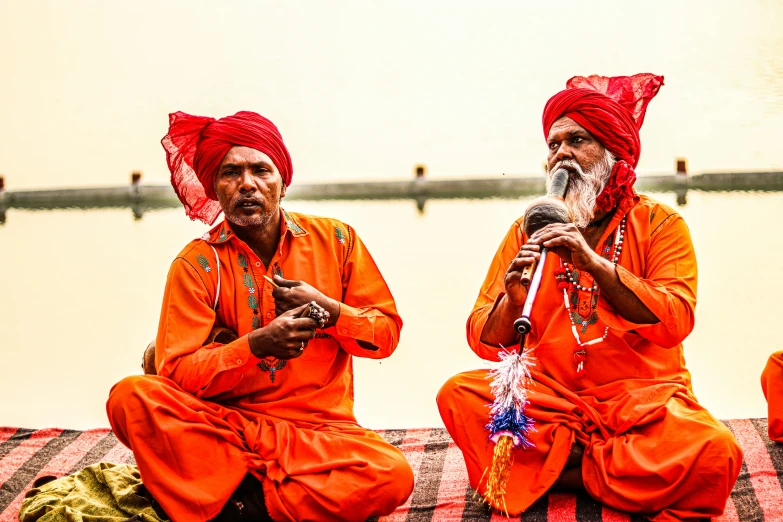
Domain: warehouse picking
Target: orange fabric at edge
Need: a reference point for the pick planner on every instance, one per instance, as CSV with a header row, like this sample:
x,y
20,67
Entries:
x,y
772,385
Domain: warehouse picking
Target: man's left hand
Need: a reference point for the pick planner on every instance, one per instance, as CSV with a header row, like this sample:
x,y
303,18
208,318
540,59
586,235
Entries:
x,y
565,240
292,294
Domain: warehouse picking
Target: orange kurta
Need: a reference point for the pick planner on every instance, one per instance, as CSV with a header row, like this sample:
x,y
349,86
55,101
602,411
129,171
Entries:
x,y
215,412
772,384
649,446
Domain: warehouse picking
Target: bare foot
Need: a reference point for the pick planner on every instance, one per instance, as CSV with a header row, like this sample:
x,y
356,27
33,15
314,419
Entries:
x,y
571,476
148,361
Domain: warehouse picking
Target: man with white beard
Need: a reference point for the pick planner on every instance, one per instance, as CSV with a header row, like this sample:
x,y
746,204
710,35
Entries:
x,y
583,186
611,399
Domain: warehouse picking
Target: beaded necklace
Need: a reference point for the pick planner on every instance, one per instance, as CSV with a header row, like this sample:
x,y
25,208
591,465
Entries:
x,y
566,279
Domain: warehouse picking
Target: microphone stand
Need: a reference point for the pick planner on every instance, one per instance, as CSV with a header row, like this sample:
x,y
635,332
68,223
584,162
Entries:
x,y
539,220
523,324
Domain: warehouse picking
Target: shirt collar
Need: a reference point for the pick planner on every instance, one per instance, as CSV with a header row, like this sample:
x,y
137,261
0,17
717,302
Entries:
x,y
291,224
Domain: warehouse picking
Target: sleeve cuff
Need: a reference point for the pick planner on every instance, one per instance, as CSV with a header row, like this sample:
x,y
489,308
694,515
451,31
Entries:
x,y
235,354
351,323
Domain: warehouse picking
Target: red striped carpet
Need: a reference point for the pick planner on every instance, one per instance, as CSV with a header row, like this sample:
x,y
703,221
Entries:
x,y
441,492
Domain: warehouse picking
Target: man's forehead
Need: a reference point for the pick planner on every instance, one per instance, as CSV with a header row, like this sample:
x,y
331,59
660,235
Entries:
x,y
565,125
240,155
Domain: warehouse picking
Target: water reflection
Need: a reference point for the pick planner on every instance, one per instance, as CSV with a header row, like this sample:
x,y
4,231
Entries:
x,y
682,197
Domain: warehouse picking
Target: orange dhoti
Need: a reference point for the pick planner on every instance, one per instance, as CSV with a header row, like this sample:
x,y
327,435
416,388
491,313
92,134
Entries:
x,y
772,384
651,449
192,455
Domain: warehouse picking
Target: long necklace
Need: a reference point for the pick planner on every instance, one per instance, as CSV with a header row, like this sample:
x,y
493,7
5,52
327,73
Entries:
x,y
568,278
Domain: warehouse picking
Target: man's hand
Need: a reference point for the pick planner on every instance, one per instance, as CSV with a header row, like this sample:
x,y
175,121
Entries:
x,y
285,337
565,240
294,294
515,291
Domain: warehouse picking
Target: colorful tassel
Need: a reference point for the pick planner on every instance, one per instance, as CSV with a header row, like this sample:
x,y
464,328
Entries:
x,y
508,426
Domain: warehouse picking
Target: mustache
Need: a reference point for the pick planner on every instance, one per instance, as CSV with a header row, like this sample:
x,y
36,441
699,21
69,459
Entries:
x,y
246,199
569,164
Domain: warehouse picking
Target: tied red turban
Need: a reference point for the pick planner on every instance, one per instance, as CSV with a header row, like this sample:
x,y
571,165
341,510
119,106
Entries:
x,y
196,145
612,110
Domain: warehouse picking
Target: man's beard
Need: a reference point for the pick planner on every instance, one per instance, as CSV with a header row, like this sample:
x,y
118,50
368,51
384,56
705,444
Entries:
x,y
584,187
255,220
235,216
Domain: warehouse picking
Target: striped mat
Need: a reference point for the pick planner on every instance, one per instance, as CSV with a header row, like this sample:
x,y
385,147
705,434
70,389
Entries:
x,y
441,492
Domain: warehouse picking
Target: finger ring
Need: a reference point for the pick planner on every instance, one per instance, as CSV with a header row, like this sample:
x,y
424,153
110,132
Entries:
x,y
301,348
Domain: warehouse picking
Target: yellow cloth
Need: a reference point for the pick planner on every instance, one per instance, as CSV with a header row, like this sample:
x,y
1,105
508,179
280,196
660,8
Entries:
x,y
101,492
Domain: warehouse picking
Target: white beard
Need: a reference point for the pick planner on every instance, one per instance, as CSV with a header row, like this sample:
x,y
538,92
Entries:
x,y
584,187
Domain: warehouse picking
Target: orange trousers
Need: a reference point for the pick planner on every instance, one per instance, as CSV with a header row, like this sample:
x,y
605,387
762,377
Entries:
x,y
651,450
772,384
192,454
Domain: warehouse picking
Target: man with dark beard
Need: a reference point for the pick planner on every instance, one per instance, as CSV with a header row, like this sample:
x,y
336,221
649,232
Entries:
x,y
259,425
611,398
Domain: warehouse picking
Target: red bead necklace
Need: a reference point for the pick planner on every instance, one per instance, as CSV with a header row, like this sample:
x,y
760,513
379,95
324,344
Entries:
x,y
569,278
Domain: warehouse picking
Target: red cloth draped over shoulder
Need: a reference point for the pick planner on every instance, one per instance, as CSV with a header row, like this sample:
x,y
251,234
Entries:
x,y
196,145
612,110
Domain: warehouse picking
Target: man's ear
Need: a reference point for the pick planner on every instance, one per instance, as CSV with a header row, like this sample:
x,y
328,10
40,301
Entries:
x,y
282,190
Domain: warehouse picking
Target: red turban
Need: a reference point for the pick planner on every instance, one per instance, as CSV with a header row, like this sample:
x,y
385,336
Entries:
x,y
196,145
612,110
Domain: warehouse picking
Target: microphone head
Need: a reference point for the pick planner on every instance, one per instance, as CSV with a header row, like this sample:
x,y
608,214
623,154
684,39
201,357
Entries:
x,y
559,184
550,208
544,211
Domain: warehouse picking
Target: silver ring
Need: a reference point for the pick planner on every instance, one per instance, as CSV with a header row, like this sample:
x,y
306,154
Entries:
x,y
301,348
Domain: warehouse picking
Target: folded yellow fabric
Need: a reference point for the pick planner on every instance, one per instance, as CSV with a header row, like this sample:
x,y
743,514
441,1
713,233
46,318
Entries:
x,y
101,492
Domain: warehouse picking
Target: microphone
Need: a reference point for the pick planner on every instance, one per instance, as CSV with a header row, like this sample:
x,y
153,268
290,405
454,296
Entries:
x,y
545,211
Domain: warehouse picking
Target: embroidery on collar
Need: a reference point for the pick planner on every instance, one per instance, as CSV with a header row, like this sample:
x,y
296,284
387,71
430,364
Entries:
x,y
292,225
220,233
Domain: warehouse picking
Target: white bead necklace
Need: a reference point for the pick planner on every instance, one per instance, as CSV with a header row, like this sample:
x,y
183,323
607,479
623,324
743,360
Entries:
x,y
580,353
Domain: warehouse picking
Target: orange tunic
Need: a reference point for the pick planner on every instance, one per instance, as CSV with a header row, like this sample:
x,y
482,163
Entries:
x,y
215,412
772,384
649,446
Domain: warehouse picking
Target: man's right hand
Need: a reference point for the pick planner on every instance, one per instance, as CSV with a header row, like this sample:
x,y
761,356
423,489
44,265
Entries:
x,y
516,293
285,337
